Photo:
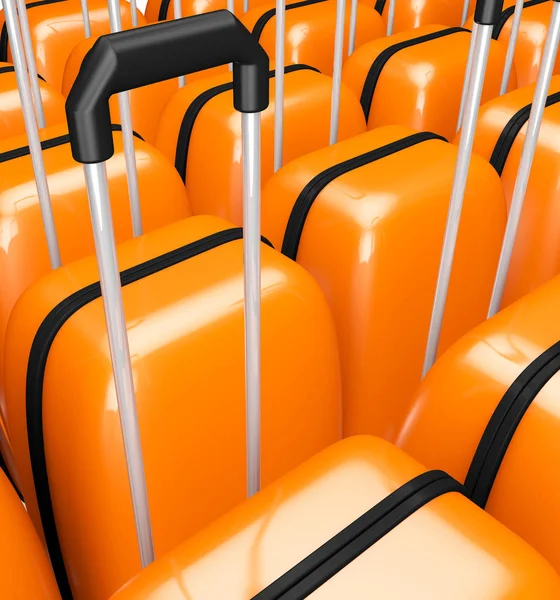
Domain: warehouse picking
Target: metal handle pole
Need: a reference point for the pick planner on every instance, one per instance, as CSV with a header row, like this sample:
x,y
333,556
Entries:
x,y
178,13
252,278
26,100
474,94
511,45
468,72
85,18
245,5
337,68
353,25
128,138
231,7
279,84
31,64
527,155
391,17
133,13
105,249
465,15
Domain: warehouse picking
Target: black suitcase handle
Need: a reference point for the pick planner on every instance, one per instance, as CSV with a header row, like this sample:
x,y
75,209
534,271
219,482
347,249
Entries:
x,y
137,57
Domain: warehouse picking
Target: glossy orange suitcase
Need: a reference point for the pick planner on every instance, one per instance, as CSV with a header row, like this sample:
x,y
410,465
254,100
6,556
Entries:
x,y
500,432
416,78
310,30
183,296
360,520
44,211
25,572
366,218
200,133
56,27
11,116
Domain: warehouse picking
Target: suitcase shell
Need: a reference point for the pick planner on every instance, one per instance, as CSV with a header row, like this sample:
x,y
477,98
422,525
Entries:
x,y
186,338
146,103
446,549
11,116
200,133
503,368
24,256
416,78
25,572
499,138
310,27
56,26
371,233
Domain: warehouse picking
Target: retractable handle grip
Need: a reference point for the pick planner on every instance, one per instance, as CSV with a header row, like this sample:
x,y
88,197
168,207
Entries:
x,y
146,55
488,12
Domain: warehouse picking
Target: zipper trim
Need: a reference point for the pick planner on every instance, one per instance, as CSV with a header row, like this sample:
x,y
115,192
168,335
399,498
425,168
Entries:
x,y
4,34
380,6
513,127
269,14
507,13
383,57
48,144
306,198
163,10
11,69
504,422
193,110
347,545
42,342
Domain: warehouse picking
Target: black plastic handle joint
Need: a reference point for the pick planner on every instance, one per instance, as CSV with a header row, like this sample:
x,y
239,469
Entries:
x,y
131,59
488,12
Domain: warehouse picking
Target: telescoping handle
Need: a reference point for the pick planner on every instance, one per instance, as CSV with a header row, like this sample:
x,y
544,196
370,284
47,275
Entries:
x,y
131,59
486,15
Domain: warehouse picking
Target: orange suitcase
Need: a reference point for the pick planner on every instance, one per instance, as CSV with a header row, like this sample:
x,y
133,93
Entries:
x,y
56,27
416,78
11,116
500,432
310,28
25,572
360,520
184,304
200,134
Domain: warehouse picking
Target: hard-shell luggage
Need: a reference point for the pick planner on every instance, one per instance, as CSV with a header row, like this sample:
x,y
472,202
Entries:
x,y
11,116
416,78
310,28
57,26
25,572
200,133
360,520
146,103
183,296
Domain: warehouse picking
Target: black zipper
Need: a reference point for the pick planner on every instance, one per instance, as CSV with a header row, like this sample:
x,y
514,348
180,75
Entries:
x,y
48,144
4,34
193,110
11,69
307,196
42,342
379,63
507,13
163,9
509,133
380,6
269,14
504,422
328,560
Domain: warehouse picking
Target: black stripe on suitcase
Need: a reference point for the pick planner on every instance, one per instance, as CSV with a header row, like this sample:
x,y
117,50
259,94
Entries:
x,y
48,144
11,69
507,13
379,63
44,338
507,137
194,108
504,422
270,14
325,562
4,34
308,195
